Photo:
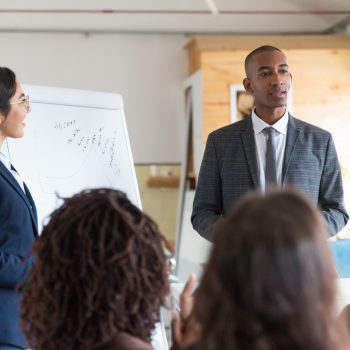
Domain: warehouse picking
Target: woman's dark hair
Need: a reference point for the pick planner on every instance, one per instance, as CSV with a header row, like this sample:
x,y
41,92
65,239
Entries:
x,y
270,282
7,89
99,269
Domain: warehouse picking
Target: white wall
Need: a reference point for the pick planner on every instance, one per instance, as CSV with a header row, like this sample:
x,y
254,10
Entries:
x,y
147,70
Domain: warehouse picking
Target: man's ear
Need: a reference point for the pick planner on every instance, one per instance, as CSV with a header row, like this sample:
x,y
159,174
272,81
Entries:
x,y
247,85
2,118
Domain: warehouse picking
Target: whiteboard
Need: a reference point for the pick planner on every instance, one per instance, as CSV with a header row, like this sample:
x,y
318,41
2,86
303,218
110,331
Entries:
x,y
73,140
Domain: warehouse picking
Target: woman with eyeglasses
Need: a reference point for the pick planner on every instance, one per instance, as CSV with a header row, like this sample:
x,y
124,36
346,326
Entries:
x,y
18,218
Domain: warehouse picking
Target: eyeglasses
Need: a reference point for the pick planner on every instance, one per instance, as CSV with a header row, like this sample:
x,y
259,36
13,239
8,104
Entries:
x,y
25,101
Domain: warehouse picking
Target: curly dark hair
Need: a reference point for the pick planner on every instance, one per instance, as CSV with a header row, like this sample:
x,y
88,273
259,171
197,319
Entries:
x,y
99,269
269,283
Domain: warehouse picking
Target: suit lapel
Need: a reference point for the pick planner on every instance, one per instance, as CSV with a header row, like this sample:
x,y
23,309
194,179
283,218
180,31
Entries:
x,y
292,139
4,172
11,180
33,211
248,139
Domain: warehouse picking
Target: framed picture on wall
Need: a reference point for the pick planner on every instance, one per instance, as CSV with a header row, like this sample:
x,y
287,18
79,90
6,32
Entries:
x,y
242,103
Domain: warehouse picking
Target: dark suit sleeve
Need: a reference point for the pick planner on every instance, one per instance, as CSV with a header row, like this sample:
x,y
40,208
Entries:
x,y
17,231
13,269
207,204
331,196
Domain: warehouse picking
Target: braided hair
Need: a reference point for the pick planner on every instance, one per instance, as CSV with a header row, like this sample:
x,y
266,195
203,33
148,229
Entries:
x,y
99,269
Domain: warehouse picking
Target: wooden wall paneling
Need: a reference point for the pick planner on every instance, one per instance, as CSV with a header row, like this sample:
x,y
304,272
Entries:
x,y
216,116
220,70
194,57
249,42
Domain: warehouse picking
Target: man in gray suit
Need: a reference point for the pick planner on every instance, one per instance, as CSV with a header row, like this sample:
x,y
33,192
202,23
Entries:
x,y
269,148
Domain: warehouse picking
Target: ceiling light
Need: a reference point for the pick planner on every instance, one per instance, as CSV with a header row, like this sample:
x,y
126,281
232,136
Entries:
x,y
212,6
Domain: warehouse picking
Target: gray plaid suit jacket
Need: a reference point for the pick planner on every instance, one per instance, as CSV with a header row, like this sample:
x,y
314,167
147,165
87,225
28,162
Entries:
x,y
229,170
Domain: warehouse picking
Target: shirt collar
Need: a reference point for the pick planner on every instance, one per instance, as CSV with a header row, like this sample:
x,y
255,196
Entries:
x,y
259,125
5,161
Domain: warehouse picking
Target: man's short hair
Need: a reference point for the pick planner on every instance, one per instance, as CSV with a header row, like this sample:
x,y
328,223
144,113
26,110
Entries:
x,y
264,48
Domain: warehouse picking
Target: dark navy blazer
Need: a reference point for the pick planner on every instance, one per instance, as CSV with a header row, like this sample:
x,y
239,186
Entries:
x,y
18,228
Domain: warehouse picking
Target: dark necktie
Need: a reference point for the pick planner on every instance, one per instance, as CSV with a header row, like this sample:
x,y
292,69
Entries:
x,y
271,164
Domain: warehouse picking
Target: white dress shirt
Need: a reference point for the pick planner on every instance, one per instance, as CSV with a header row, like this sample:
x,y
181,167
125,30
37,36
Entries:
x,y
15,174
260,143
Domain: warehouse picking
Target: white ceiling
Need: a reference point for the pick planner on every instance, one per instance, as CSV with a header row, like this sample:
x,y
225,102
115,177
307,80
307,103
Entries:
x,y
176,16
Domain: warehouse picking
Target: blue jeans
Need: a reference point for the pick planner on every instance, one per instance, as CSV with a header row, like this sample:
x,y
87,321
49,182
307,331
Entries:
x,y
9,347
